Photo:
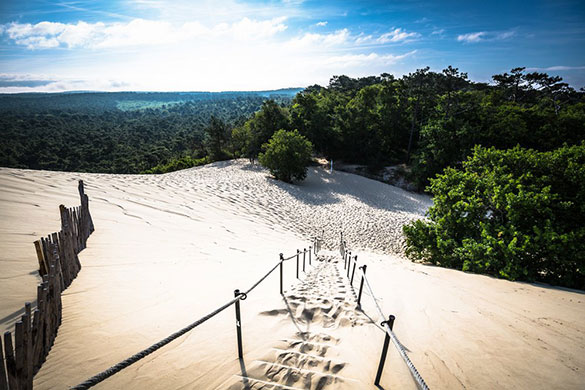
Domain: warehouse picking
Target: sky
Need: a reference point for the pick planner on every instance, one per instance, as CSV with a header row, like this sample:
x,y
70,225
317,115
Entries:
x,y
230,45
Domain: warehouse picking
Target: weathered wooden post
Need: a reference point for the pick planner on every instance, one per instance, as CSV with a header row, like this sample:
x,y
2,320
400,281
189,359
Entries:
x,y
348,264
298,251
238,324
3,378
353,272
304,256
27,319
19,353
390,324
309,254
281,261
345,260
363,268
10,361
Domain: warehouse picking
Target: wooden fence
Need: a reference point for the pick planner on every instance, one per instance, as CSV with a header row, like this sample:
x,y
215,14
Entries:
x,y
23,354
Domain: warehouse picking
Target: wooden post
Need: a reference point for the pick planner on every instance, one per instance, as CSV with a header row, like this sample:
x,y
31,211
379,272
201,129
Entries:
x,y
10,361
363,268
348,264
19,353
353,272
390,323
27,318
304,256
309,254
281,261
298,251
42,264
238,325
3,378
37,340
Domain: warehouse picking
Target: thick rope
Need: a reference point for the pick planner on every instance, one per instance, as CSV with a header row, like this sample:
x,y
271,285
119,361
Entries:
x,y
94,380
401,350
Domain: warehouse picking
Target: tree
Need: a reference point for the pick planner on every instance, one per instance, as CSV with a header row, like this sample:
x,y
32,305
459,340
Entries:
x,y
287,155
260,127
516,214
216,137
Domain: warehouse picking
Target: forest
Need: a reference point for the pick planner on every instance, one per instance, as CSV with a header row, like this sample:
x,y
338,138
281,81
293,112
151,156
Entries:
x,y
425,120
128,132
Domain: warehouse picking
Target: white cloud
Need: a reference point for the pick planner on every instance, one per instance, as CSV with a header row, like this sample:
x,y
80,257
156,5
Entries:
x,y
485,36
244,54
505,35
138,32
355,60
393,36
438,32
396,35
556,68
471,37
314,40
321,24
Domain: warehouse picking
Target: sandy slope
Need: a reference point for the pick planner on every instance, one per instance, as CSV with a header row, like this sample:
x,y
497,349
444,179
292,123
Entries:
x,y
168,249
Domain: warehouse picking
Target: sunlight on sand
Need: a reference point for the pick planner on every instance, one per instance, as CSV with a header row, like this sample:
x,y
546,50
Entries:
x,y
170,248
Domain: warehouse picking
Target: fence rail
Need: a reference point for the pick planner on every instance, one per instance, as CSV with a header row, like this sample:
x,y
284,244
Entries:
x,y
238,296
386,326
21,356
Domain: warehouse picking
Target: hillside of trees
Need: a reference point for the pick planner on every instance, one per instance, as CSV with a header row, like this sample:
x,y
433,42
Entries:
x,y
115,132
428,120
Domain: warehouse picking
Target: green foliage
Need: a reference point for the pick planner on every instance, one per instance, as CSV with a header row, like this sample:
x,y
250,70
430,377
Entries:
x,y
217,135
251,136
516,214
178,164
86,132
287,155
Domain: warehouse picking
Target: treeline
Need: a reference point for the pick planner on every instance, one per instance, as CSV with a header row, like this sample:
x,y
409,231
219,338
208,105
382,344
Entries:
x,y
89,134
429,120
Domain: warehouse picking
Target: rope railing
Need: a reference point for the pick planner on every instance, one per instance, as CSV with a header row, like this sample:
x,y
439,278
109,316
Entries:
x,y
386,326
238,296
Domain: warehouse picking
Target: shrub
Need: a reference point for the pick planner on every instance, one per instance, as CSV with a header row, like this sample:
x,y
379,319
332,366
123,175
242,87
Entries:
x,y
516,214
287,155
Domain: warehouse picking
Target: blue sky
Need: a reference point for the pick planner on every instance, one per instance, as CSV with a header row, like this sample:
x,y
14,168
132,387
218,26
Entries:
x,y
169,45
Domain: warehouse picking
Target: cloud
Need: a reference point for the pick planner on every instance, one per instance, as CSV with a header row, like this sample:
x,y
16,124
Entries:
x,y
394,36
471,37
397,35
438,32
11,83
482,36
505,35
556,68
157,55
355,60
138,32
317,41
321,24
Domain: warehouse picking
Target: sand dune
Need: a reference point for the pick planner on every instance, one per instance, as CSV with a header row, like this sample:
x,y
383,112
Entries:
x,y
170,248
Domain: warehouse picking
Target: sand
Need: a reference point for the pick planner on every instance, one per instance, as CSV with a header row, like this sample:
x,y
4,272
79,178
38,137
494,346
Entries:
x,y
170,248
